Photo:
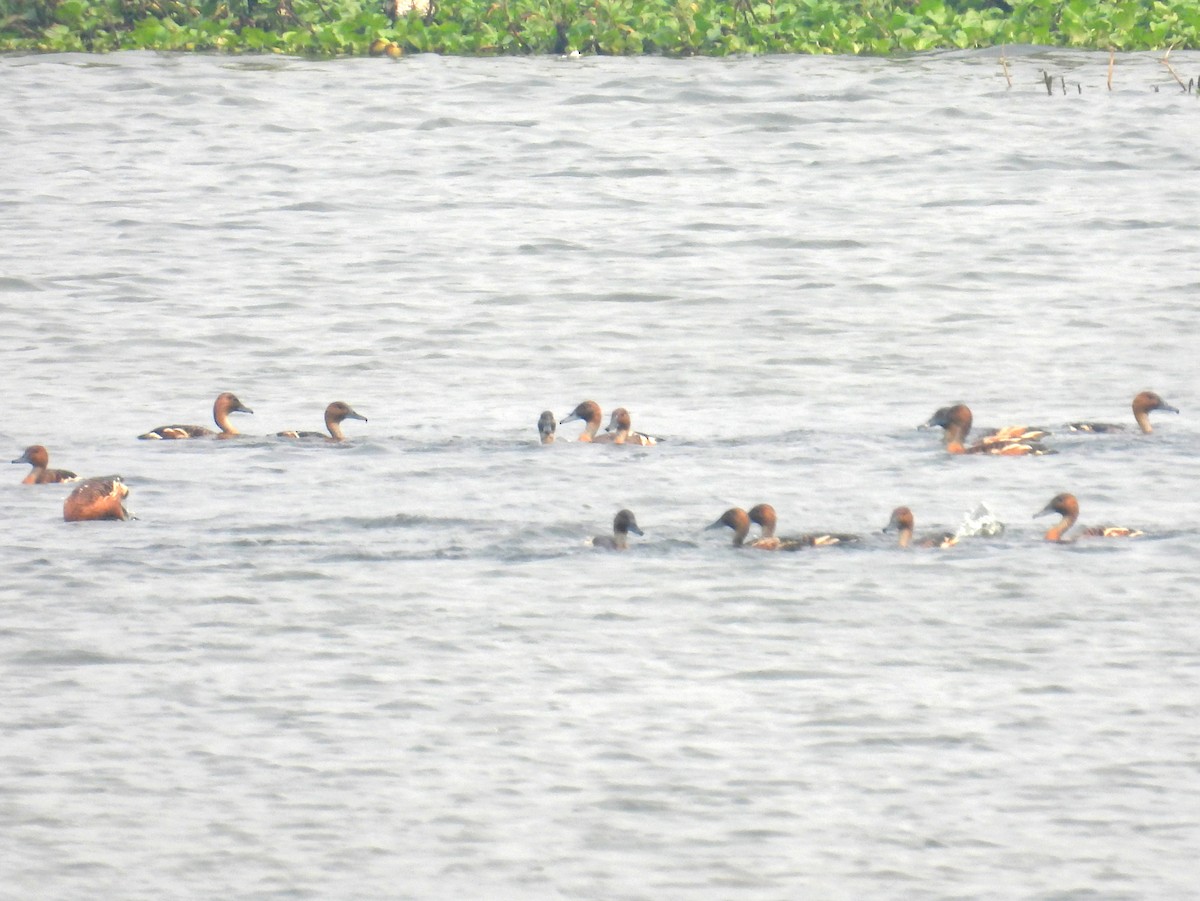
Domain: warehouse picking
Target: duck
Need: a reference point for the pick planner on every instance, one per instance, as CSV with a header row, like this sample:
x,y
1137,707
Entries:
x,y
39,458
737,519
335,413
902,522
764,516
955,422
1066,506
225,404
589,412
546,427
98,498
621,429
1143,404
623,523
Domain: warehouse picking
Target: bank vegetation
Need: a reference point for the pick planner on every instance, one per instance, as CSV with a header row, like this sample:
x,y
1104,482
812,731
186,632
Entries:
x,y
328,28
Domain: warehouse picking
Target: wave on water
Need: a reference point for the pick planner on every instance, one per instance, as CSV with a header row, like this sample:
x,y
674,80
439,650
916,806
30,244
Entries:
x,y
980,521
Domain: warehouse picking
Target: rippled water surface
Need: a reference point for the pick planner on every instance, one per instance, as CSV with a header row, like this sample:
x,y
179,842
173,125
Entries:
x,y
395,669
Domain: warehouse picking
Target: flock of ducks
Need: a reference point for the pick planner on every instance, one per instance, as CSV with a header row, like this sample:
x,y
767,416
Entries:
x,y
102,498
955,422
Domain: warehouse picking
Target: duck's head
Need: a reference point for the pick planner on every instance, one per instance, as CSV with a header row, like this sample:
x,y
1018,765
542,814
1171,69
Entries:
x,y
35,455
625,521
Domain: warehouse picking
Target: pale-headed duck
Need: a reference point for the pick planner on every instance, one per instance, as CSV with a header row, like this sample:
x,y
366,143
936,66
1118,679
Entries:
x,y
97,499
902,522
623,523
546,427
1066,506
589,412
225,404
335,413
764,515
620,426
39,458
1143,404
1011,441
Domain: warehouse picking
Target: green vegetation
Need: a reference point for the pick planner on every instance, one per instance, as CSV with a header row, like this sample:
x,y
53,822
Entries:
x,y
618,27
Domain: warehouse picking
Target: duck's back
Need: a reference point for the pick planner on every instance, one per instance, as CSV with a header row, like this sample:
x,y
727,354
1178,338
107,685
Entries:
x,y
177,432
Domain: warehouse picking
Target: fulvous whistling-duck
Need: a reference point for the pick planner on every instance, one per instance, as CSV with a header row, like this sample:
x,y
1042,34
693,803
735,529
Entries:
x,y
621,429
764,515
39,458
1142,405
97,499
1066,506
225,404
589,412
902,522
955,422
335,413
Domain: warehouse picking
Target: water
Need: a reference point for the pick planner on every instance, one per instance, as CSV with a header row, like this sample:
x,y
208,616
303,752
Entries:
x,y
394,669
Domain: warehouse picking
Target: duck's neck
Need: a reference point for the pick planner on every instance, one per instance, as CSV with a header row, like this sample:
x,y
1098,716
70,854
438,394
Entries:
x,y
222,420
955,434
620,540
905,536
335,429
1143,420
1056,532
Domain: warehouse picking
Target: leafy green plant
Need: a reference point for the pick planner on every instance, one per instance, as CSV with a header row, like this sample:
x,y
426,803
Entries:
x,y
618,27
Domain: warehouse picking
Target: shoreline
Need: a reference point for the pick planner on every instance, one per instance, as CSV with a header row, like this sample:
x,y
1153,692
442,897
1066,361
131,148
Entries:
x,y
712,28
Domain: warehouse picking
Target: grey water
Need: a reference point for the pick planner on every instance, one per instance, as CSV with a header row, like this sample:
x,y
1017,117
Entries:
x,y
395,668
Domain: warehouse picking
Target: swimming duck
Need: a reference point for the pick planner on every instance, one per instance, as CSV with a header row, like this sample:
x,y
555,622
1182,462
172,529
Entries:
x,y
1068,508
39,458
623,523
764,515
902,522
225,404
736,519
546,427
621,429
955,422
97,499
589,412
1142,405
335,413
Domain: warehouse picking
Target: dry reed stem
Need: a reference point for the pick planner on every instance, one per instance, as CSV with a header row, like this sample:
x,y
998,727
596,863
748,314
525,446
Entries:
x,y
1166,62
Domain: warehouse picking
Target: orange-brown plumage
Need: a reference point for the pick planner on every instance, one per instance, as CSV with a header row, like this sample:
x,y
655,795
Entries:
x,y
335,414
39,459
99,498
225,404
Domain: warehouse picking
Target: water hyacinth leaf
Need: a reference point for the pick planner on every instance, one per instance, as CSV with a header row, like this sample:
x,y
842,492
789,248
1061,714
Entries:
x,y
671,27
